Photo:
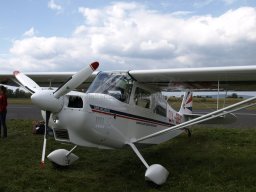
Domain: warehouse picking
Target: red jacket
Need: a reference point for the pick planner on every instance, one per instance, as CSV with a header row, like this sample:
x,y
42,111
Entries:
x,y
3,103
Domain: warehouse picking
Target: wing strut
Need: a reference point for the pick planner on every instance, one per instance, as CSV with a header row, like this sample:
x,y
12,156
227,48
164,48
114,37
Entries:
x,y
212,115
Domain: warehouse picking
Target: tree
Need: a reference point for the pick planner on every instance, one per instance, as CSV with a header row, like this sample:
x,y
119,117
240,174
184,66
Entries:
x,y
18,93
234,95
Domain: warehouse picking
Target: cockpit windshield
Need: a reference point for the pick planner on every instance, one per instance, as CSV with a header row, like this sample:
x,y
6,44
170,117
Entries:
x,y
118,85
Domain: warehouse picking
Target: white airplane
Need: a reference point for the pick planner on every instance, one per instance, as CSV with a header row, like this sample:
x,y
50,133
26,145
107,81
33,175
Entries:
x,y
127,108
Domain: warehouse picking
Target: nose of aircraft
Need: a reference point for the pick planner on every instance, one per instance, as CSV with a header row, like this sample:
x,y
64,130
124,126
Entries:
x,y
45,100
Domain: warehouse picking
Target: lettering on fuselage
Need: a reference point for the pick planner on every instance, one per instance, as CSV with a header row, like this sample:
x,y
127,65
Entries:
x,y
178,118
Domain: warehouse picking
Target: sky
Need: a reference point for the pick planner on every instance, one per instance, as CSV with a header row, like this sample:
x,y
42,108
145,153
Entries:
x,y
67,35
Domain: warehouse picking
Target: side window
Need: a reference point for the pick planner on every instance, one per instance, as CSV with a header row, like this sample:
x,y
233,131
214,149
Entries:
x,y
75,102
142,98
160,104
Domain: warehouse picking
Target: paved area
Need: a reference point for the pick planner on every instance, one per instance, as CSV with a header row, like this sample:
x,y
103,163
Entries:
x,y
23,112
246,118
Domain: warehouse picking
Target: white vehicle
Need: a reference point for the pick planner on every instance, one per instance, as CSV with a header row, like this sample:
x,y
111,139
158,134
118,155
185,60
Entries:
x,y
127,107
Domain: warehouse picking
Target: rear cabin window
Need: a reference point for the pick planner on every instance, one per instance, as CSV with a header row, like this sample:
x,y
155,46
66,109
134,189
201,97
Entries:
x,y
159,104
75,102
142,98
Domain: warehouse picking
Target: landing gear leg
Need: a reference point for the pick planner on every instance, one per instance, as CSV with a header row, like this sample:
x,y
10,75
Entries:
x,y
155,173
188,132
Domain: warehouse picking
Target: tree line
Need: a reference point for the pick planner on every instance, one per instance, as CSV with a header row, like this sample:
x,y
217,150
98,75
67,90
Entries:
x,y
17,93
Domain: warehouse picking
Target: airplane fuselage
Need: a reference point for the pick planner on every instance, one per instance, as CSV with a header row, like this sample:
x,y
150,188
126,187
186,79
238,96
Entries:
x,y
105,121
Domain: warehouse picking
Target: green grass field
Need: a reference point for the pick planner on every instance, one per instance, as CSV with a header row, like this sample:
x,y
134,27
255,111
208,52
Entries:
x,y
213,159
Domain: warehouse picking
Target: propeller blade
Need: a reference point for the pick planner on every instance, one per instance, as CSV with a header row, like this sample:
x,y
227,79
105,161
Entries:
x,y
47,117
76,80
26,82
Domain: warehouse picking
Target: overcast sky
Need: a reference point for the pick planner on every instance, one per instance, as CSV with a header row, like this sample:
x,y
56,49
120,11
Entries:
x,y
66,35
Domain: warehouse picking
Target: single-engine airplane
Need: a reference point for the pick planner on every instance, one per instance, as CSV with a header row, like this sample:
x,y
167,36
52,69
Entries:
x,y
127,108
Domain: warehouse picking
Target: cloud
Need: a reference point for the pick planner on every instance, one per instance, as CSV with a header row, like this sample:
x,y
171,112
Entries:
x,y
51,53
132,36
54,6
141,33
30,32
92,16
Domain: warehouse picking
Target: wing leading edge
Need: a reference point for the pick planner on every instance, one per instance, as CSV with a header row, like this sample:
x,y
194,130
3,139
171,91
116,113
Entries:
x,y
239,78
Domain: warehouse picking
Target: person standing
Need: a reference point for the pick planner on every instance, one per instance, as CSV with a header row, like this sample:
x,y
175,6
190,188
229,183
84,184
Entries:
x,y
3,111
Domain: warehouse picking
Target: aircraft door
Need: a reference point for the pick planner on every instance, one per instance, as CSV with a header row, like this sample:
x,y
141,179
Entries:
x,y
73,111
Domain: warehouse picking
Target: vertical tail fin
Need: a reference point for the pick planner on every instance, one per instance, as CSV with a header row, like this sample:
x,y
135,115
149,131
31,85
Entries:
x,y
186,105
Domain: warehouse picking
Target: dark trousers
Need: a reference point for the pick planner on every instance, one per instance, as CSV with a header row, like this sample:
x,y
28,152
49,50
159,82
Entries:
x,y
3,124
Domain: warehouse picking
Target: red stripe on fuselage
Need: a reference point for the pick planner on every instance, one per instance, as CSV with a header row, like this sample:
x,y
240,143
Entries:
x,y
127,117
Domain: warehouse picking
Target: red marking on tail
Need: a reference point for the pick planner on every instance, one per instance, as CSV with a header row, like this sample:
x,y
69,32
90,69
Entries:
x,y
190,100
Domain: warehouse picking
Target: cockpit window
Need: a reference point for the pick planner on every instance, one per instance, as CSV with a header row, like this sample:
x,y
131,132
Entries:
x,y
118,85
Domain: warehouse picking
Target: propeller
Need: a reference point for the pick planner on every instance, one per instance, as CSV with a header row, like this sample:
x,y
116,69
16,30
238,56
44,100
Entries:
x,y
76,80
26,82
52,101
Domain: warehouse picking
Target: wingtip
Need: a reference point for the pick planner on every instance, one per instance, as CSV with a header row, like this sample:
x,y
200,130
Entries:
x,y
15,73
94,65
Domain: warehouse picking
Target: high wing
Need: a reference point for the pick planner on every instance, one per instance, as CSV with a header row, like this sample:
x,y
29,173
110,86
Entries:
x,y
46,79
239,78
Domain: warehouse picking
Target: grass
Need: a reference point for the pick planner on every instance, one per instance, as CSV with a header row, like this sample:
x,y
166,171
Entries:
x,y
213,159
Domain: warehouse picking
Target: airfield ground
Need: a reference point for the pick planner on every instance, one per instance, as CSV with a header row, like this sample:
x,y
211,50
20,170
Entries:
x,y
213,159
23,109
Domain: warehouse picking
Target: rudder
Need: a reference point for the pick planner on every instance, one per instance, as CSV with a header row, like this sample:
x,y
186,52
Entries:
x,y
187,102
